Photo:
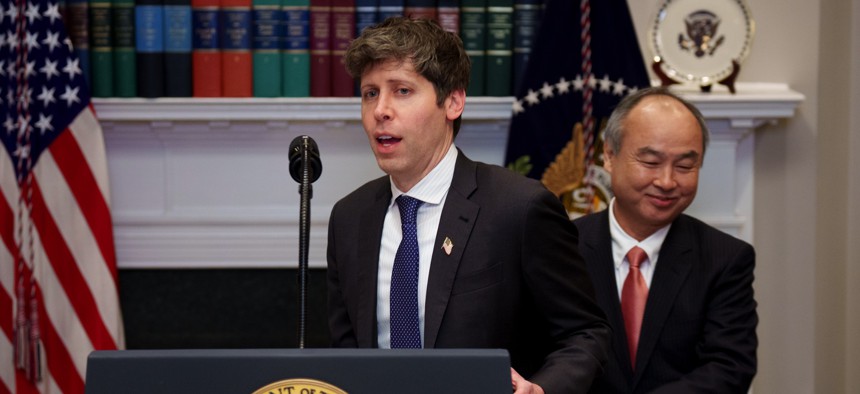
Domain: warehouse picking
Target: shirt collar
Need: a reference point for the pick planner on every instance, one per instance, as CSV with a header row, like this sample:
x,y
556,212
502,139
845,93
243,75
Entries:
x,y
434,186
623,242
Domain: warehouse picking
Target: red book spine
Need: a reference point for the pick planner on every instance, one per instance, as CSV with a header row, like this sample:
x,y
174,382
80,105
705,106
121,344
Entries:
x,y
342,32
321,44
420,9
236,58
206,50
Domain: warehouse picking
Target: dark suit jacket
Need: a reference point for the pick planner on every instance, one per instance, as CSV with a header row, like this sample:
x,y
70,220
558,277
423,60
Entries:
x,y
514,279
698,334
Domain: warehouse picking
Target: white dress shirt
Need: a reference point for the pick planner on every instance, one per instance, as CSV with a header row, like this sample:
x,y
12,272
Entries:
x,y
432,190
622,243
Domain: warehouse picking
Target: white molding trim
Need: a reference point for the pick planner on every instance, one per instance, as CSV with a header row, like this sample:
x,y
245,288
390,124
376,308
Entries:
x,y
203,183
754,102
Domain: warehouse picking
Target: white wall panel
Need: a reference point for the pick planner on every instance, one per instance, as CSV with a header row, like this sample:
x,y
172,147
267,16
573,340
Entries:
x,y
205,183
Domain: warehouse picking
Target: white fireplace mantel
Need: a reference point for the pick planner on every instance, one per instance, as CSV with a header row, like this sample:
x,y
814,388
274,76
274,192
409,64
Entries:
x,y
203,183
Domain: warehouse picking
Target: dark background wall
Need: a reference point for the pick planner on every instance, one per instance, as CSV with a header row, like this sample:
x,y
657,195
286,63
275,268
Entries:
x,y
220,308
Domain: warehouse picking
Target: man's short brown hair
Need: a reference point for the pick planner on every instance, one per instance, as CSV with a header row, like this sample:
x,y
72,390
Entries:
x,y
436,54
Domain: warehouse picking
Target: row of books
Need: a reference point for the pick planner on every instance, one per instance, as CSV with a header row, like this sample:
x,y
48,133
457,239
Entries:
x,y
276,48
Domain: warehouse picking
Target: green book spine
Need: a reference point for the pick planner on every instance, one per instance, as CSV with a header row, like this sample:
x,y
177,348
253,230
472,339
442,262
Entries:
x,y
500,47
473,32
101,47
267,19
296,60
124,60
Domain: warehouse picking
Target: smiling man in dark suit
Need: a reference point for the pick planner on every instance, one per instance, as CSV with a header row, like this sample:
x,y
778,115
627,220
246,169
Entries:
x,y
489,260
677,292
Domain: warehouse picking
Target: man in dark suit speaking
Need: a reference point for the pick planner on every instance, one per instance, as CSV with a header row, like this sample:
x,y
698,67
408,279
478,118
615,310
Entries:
x,y
445,252
677,292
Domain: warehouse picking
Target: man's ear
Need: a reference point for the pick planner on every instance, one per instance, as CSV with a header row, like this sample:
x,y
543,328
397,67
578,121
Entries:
x,y
608,156
455,104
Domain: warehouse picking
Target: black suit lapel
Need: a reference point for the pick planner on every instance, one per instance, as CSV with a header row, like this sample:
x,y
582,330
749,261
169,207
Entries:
x,y
673,266
597,251
371,222
456,223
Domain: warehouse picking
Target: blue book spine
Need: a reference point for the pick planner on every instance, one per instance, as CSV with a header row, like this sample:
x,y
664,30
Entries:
x,y
206,30
149,41
389,8
237,26
177,48
366,14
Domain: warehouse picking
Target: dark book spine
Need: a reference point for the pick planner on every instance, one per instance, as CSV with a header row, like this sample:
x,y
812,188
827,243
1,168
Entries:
x,y
77,24
321,48
177,48
124,62
206,48
366,14
268,21
389,8
500,26
448,14
473,31
149,24
527,14
342,30
296,48
101,47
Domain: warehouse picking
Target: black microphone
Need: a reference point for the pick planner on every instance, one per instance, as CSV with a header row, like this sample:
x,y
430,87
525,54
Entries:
x,y
314,164
305,168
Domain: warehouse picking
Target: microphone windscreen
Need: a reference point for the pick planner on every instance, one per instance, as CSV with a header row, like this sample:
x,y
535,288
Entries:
x,y
295,156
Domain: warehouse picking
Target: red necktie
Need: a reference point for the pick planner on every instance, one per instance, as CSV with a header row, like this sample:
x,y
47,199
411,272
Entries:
x,y
634,294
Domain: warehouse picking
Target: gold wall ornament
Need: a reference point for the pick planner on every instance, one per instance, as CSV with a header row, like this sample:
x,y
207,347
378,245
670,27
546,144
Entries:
x,y
565,173
582,188
299,386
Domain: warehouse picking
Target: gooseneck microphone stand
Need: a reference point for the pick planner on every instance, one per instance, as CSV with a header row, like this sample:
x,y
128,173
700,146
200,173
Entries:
x,y
306,192
304,152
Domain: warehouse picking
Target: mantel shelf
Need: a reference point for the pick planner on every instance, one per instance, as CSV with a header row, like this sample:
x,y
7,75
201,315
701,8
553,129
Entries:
x,y
203,182
755,102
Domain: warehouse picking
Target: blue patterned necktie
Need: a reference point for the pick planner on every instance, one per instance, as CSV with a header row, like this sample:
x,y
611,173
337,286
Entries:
x,y
404,280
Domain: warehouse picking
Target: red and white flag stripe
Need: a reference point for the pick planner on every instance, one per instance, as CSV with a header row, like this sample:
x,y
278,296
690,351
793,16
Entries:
x,y
73,259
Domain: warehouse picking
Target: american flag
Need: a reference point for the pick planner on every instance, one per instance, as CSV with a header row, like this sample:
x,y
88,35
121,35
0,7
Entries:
x,y
58,277
586,59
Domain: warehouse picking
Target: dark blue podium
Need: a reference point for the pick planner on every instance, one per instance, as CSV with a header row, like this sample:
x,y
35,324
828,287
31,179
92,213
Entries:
x,y
244,371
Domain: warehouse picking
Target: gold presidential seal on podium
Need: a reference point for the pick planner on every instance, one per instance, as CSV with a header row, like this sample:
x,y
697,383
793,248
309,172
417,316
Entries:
x,y
299,386
701,42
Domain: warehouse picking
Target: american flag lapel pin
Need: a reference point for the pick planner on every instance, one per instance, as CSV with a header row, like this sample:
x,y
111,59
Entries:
x,y
447,245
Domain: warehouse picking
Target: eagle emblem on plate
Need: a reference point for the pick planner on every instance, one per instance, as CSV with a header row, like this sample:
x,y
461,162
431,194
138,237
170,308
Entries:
x,y
701,42
701,38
